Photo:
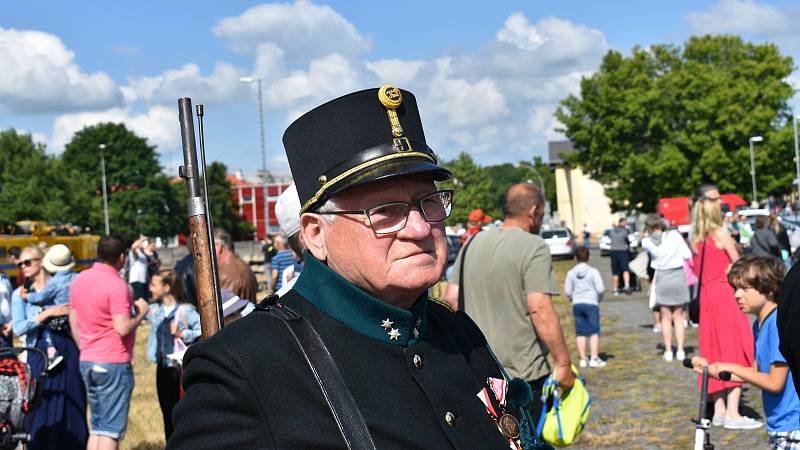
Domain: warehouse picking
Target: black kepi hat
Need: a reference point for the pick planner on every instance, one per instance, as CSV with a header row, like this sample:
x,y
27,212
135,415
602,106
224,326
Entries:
x,y
362,137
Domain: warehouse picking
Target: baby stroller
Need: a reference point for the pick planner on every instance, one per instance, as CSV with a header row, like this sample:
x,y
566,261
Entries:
x,y
18,395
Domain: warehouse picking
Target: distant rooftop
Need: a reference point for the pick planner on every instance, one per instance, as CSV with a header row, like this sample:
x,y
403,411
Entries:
x,y
557,149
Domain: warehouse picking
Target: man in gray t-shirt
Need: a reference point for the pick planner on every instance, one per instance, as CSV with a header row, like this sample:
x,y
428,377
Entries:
x,y
507,283
620,256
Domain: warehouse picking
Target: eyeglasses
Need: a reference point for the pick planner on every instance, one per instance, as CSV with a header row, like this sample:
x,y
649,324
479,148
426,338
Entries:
x,y
27,262
391,217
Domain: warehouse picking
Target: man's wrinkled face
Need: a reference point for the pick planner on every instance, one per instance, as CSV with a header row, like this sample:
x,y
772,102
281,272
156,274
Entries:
x,y
396,265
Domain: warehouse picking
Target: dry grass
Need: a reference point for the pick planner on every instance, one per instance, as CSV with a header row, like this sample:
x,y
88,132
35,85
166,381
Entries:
x,y
145,425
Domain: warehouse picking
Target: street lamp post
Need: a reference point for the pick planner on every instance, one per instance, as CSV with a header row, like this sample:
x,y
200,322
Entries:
x,y
102,148
261,122
753,166
797,164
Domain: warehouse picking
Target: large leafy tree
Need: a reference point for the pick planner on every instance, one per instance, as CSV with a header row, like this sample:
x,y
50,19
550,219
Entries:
x,y
34,185
505,175
472,186
140,199
665,119
223,210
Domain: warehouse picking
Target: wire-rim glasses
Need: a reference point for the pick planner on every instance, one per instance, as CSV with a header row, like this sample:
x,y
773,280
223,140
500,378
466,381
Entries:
x,y
391,217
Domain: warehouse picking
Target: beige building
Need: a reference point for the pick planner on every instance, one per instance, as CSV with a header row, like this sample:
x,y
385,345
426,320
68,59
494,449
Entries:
x,y
580,199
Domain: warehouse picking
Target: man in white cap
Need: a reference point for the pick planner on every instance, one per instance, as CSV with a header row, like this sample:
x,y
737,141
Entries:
x,y
287,209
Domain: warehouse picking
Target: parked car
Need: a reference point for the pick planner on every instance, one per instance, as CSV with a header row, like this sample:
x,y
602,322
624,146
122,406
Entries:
x,y
605,241
560,240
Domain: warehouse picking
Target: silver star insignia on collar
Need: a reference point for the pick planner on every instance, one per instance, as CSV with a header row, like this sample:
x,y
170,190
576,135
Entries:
x,y
386,324
394,334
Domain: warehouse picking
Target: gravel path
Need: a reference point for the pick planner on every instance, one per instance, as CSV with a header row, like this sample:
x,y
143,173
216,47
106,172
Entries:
x,y
639,400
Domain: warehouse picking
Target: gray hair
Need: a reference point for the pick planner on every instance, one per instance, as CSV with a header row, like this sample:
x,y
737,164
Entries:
x,y
223,237
329,206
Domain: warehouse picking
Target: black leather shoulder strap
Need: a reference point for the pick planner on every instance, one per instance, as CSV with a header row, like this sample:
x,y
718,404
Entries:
x,y
461,272
344,409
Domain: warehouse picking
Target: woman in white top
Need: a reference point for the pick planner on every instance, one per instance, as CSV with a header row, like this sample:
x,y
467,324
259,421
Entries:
x,y
137,269
668,252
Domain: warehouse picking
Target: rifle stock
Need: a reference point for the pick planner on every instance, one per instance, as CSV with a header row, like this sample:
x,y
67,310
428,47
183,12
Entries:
x,y
203,251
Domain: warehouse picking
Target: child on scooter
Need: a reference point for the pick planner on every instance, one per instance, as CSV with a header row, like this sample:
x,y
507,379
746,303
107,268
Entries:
x,y
756,281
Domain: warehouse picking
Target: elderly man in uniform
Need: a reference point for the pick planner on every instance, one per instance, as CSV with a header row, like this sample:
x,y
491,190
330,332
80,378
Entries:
x,y
418,375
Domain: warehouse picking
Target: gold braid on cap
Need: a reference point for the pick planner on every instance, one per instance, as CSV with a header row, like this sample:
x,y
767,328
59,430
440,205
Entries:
x,y
391,98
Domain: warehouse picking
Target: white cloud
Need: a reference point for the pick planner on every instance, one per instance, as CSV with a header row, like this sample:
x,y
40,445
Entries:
x,y
158,125
39,75
302,29
740,16
395,71
325,79
220,86
498,103
463,104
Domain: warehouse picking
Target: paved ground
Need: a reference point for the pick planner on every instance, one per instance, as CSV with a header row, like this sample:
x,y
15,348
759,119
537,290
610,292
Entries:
x,y
639,400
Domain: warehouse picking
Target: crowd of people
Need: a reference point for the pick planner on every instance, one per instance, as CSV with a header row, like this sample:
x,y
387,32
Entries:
x,y
364,226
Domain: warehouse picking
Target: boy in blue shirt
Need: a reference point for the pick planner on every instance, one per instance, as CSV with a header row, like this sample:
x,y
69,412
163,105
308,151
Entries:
x,y
757,280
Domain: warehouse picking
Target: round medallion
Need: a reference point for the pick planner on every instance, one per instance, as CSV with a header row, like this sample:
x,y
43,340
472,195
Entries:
x,y
322,180
390,96
509,425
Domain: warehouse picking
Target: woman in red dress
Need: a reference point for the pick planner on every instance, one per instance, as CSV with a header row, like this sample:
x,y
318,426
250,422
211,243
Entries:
x,y
725,333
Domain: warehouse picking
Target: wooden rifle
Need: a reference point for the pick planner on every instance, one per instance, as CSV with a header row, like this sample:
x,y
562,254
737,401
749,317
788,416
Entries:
x,y
201,231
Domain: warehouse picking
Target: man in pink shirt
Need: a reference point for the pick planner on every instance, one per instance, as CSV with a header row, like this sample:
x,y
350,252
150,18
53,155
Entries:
x,y
104,318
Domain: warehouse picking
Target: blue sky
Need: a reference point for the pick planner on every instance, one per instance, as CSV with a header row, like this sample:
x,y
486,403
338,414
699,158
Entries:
x,y
488,75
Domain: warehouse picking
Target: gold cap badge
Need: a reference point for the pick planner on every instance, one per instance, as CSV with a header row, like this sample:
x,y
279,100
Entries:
x,y
391,98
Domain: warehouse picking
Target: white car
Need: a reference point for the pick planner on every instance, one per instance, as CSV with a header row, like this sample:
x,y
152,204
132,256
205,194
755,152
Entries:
x,y
560,240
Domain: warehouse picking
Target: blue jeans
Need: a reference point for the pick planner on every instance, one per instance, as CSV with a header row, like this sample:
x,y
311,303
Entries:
x,y
587,319
108,387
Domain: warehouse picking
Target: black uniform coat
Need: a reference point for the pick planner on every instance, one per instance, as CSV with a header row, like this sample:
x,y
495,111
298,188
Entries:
x,y
249,386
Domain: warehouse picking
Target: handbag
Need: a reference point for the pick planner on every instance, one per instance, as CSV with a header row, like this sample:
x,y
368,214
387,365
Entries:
x,y
561,423
638,265
694,303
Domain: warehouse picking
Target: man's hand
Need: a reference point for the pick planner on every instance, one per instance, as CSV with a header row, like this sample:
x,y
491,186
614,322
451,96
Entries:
x,y
23,293
142,307
565,377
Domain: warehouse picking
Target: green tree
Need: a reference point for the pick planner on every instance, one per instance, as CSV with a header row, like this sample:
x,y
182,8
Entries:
x,y
140,199
505,175
224,212
34,185
472,186
663,120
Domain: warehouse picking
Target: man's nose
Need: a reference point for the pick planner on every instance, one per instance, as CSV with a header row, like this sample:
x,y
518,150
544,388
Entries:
x,y
416,226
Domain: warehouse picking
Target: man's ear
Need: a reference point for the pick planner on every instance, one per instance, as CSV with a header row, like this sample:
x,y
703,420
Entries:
x,y
313,234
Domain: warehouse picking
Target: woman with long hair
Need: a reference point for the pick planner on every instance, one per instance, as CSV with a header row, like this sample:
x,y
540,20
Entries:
x,y
174,324
724,330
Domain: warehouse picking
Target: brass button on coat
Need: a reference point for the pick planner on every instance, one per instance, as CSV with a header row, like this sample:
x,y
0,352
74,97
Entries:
x,y
450,418
417,361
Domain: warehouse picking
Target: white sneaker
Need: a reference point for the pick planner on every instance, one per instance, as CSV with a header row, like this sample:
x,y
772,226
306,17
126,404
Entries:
x,y
596,363
582,364
668,355
656,329
680,356
718,421
745,423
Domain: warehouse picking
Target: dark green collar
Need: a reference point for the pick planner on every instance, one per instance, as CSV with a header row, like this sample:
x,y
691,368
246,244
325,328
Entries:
x,y
365,314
